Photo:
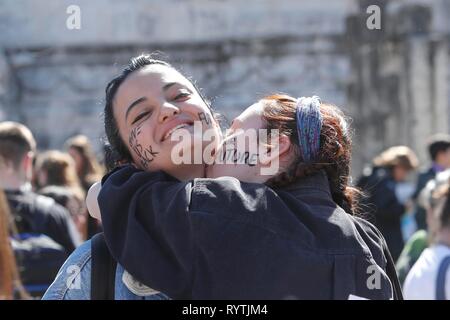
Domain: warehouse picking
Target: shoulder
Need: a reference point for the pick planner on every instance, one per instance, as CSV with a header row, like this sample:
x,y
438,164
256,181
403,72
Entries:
x,y
368,228
46,206
373,239
231,196
419,237
31,202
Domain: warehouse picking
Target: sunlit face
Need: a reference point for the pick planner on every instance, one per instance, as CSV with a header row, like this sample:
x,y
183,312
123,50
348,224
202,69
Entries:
x,y
149,106
248,168
400,173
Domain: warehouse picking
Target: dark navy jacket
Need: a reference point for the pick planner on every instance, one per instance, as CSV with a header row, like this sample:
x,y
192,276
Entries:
x,y
224,239
422,180
34,213
383,205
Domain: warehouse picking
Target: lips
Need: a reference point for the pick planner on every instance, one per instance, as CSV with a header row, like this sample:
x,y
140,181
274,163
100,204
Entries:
x,y
171,128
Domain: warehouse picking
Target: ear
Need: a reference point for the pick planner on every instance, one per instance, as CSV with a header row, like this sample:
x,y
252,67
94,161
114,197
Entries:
x,y
27,162
277,150
284,145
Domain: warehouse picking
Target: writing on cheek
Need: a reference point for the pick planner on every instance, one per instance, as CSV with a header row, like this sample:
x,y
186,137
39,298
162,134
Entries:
x,y
250,160
204,118
145,155
236,157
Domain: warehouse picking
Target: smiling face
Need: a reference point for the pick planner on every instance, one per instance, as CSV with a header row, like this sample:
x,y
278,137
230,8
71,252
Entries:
x,y
151,104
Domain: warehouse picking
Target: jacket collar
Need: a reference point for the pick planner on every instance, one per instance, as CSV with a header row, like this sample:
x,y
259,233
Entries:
x,y
317,181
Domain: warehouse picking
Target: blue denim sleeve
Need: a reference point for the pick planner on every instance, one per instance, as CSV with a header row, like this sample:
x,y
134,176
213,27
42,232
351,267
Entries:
x,y
73,281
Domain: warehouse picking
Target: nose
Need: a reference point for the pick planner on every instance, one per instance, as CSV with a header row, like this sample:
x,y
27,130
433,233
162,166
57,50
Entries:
x,y
167,111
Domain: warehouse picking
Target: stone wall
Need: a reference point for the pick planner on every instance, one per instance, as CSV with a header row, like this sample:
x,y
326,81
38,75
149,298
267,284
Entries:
x,y
392,81
236,52
399,88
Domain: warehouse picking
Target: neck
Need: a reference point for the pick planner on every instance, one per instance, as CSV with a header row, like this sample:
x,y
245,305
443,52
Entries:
x,y
443,236
14,181
186,173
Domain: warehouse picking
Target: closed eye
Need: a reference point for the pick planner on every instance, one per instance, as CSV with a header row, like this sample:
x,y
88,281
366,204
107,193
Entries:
x,y
141,116
182,95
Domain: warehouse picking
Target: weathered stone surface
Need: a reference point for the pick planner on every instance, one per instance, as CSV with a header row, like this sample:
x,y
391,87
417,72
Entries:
x,y
392,81
31,23
399,88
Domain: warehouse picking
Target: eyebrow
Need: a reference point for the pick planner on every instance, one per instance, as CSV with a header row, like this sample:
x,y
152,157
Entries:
x,y
170,84
142,99
132,105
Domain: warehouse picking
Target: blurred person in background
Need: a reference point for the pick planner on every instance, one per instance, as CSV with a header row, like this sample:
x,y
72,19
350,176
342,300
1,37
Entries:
x,y
88,170
17,149
56,177
421,239
439,152
384,200
428,278
45,233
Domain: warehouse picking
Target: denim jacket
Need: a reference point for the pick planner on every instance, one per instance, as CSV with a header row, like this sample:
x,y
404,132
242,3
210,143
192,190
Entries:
x,y
73,281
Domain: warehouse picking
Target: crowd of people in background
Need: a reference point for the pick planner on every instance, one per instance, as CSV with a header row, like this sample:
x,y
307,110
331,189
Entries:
x,y
390,202
43,215
42,208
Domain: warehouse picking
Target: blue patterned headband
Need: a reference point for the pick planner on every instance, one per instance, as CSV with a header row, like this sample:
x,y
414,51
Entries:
x,y
309,125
